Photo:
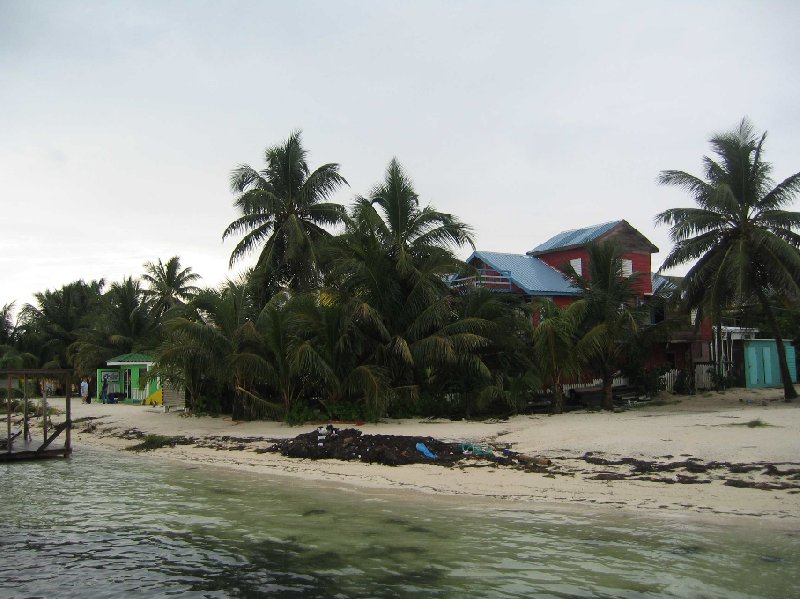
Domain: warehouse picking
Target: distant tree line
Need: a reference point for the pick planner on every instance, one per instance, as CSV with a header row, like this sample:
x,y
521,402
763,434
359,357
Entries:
x,y
347,313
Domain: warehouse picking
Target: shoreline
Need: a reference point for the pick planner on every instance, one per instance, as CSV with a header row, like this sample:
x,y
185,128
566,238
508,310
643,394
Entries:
x,y
706,430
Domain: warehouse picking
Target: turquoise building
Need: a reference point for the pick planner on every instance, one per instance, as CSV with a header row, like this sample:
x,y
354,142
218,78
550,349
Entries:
x,y
761,366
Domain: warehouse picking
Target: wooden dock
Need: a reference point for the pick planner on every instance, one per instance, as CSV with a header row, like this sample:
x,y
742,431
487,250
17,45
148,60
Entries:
x,y
19,442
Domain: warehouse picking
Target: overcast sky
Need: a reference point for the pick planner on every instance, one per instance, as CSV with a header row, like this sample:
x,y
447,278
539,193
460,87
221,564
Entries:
x,y
121,121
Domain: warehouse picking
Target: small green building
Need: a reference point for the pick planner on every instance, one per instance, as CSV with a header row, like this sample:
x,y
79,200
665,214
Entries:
x,y
127,374
762,368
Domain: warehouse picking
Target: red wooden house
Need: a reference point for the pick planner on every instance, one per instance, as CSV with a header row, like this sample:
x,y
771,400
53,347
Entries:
x,y
541,273
569,247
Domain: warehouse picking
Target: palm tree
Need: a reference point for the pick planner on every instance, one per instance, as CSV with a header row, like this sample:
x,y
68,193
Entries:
x,y
55,321
215,344
277,326
498,372
8,328
169,285
742,238
283,211
120,323
554,345
11,356
333,340
394,256
611,320
409,234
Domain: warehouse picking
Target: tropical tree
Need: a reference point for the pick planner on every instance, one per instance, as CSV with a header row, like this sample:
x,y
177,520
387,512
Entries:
x,y
278,326
7,326
283,211
169,285
505,324
555,342
215,346
334,336
11,356
394,256
741,236
53,324
409,234
611,321
120,323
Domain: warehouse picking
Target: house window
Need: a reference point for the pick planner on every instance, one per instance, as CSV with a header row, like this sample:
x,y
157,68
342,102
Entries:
x,y
575,263
627,267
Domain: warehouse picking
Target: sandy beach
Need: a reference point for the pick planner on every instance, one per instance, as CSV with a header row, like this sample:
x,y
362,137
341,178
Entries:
x,y
618,460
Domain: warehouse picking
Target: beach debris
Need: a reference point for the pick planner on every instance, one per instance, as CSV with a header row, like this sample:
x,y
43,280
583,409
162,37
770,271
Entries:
x,y
533,460
476,449
329,442
425,451
352,444
151,442
763,486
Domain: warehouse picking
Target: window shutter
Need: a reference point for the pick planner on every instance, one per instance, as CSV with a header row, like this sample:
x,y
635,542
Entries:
x,y
627,267
575,263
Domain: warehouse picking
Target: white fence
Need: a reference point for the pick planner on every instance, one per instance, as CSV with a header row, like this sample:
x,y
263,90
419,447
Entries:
x,y
619,381
703,377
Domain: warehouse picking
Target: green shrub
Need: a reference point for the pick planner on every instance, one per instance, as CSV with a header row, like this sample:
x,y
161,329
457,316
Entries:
x,y
300,412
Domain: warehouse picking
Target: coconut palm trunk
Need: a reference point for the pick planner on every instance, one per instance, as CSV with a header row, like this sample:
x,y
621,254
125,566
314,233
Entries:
x,y
608,391
789,392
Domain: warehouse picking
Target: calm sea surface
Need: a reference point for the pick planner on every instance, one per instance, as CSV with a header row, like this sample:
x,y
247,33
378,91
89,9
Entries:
x,y
103,524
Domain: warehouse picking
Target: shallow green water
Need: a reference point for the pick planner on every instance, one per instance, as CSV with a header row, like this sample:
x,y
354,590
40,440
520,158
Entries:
x,y
104,524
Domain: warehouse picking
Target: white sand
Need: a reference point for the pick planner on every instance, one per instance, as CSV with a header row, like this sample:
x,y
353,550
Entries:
x,y
702,427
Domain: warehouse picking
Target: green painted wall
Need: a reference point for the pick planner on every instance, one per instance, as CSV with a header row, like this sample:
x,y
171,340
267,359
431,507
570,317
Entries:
x,y
138,375
761,366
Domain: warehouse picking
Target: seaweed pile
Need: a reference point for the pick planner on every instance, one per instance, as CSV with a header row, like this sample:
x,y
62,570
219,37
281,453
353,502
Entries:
x,y
352,444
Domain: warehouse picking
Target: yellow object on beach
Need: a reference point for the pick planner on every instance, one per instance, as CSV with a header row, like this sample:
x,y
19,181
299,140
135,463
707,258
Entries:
x,y
156,398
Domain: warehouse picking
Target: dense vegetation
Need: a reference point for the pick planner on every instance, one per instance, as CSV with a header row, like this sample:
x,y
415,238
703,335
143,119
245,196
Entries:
x,y
347,313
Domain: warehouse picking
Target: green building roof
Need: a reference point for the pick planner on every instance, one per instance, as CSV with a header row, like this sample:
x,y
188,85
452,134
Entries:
x,y
132,359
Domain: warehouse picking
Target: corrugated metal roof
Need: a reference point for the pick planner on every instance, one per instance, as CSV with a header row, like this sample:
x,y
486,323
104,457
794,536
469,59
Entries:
x,y
530,274
662,285
132,359
575,237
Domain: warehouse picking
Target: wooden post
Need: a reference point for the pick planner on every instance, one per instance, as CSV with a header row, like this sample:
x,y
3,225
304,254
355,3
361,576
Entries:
x,y
68,441
44,412
8,406
26,428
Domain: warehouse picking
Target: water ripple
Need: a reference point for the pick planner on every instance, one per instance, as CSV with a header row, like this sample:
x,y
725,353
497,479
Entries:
x,y
104,524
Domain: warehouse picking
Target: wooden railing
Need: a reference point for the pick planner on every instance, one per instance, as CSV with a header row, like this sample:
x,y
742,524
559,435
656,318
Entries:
x,y
490,279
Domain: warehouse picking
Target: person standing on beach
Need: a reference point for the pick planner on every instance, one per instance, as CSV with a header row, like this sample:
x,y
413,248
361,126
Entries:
x,y
104,390
85,390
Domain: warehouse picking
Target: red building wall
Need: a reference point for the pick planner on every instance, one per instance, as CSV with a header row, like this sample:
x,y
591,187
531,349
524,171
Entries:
x,y
640,263
559,258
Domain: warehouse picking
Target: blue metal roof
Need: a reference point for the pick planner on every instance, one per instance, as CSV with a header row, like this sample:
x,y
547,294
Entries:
x,y
662,285
575,237
530,274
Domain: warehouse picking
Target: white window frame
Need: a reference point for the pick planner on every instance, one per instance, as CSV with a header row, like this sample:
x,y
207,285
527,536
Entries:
x,y
627,267
577,266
